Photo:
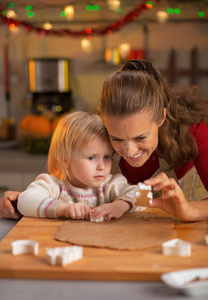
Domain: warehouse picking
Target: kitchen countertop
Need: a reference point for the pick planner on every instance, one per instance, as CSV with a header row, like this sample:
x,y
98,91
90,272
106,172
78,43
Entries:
x,y
25,289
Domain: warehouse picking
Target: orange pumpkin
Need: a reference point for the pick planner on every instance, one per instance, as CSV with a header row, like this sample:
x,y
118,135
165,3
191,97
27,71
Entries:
x,y
26,120
36,125
55,122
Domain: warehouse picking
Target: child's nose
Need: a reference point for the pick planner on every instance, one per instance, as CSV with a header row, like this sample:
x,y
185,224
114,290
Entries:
x,y
101,165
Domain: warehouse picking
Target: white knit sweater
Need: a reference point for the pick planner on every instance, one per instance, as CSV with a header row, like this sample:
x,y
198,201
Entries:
x,y
46,193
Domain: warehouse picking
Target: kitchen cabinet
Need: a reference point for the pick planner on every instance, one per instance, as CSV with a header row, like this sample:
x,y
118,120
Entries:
x,y
18,169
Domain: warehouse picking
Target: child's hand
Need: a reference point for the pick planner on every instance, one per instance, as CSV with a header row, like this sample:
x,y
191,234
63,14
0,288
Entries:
x,y
77,211
111,210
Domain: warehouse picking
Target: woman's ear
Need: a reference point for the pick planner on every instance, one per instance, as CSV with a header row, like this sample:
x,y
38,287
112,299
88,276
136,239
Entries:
x,y
164,117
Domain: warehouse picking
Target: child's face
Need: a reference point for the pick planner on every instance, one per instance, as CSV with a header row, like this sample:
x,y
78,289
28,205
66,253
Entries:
x,y
91,166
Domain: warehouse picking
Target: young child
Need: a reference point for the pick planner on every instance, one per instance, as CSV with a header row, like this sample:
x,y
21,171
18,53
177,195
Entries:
x,y
79,164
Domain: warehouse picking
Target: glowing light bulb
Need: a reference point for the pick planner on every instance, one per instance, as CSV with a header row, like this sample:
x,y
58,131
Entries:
x,y
149,4
170,10
96,7
114,4
11,5
11,14
11,26
69,10
162,16
88,30
177,11
201,14
63,14
86,45
124,50
30,14
47,26
89,7
28,7
59,108
14,29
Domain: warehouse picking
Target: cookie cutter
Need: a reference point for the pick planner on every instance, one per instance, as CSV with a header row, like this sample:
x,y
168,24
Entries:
x,y
93,219
25,246
63,256
206,236
144,202
206,239
143,186
177,247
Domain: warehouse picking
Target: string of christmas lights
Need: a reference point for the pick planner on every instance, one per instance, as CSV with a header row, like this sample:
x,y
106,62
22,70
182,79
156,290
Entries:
x,y
88,32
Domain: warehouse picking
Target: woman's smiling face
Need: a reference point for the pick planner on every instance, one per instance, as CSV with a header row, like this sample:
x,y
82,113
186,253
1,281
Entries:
x,y
134,137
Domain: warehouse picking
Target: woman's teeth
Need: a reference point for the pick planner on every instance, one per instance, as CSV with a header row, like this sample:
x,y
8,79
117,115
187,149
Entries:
x,y
137,155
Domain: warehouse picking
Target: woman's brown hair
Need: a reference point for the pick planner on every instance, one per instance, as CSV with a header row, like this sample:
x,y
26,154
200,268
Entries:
x,y
139,86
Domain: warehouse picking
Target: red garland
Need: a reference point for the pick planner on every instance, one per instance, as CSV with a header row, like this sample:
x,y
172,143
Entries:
x,y
64,32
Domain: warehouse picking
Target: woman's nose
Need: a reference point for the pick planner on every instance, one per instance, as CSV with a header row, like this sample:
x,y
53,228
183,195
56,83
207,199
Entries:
x,y
131,148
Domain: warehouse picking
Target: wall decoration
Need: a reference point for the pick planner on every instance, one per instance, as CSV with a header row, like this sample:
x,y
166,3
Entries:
x,y
130,17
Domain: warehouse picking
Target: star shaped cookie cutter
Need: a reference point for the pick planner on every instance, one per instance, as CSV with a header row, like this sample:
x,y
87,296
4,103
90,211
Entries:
x,y
63,256
177,247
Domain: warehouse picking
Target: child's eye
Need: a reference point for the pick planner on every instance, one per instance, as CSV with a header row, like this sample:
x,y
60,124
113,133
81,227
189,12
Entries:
x,y
91,157
106,157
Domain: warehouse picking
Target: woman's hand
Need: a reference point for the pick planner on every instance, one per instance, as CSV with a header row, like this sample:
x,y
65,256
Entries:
x,y
173,201
76,211
7,210
111,210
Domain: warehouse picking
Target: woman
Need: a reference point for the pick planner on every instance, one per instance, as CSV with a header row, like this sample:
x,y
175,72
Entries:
x,y
158,133
155,129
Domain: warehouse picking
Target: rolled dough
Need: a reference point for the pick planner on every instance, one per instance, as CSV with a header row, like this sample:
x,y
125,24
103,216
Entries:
x,y
136,231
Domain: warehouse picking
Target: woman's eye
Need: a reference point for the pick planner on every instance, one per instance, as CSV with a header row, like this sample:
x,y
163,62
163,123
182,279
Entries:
x,y
140,138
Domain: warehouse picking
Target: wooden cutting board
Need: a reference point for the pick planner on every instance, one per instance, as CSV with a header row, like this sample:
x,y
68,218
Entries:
x,y
98,263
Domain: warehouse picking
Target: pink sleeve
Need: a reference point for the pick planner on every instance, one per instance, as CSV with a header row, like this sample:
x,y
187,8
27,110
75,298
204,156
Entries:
x,y
200,133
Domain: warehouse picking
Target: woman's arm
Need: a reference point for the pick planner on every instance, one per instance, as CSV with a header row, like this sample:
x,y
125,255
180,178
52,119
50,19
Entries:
x,y
174,202
200,134
8,205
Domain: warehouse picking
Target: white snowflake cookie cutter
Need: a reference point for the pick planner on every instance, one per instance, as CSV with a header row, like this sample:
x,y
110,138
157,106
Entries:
x,y
93,219
63,256
206,239
177,247
144,187
25,246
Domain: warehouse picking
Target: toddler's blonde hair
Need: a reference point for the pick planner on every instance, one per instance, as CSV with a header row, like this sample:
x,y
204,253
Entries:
x,y
73,132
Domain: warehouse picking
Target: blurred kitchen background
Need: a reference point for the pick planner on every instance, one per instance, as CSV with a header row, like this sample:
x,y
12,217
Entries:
x,y
55,55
